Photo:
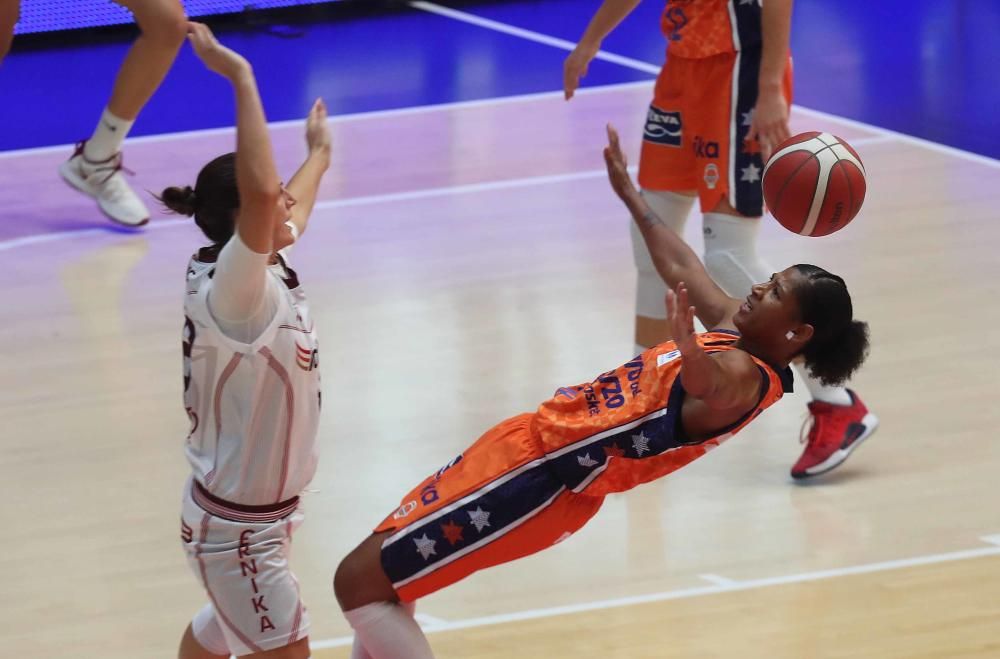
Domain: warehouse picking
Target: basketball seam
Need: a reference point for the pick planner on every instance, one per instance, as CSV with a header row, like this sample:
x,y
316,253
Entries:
x,y
850,190
788,179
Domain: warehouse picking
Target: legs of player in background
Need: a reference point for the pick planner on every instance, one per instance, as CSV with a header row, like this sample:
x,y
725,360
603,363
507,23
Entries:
x,y
673,209
95,167
840,421
8,19
383,627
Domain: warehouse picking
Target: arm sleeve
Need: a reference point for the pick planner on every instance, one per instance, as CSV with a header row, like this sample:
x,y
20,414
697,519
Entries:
x,y
243,298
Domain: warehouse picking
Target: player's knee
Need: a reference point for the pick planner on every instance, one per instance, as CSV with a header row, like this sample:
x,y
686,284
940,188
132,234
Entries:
x,y
360,579
650,295
346,580
167,27
735,271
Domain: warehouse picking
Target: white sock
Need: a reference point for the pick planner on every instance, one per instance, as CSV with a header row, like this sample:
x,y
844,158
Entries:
x,y
731,253
358,650
823,392
107,138
387,631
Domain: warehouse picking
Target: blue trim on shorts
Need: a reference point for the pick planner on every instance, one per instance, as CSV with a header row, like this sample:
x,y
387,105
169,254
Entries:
x,y
426,545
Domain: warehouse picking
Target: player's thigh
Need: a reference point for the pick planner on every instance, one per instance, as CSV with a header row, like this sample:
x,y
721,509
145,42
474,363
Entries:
x,y
9,10
666,161
245,572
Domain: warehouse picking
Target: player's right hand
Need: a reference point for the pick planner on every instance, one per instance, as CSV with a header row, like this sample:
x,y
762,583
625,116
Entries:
x,y
680,319
614,160
575,67
224,61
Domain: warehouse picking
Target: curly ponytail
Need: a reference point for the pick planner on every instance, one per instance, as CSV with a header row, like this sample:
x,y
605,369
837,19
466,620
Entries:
x,y
839,344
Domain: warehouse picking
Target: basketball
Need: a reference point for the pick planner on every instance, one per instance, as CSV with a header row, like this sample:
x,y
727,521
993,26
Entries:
x,y
814,183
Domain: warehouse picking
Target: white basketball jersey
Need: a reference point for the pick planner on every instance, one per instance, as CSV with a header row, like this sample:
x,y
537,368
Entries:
x,y
254,408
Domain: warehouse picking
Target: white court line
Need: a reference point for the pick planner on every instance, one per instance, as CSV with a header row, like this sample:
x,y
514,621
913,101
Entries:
x,y
717,580
429,621
701,591
367,200
647,67
903,137
355,116
530,35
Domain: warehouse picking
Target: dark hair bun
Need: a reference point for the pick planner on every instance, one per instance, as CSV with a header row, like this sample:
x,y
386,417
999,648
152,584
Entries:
x,y
180,200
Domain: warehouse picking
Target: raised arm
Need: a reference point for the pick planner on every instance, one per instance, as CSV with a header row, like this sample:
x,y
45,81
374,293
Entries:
x,y
305,183
241,299
608,16
674,259
256,175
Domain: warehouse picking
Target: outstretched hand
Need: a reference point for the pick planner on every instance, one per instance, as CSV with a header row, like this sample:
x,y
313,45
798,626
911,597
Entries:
x,y
680,318
216,57
575,67
317,128
614,159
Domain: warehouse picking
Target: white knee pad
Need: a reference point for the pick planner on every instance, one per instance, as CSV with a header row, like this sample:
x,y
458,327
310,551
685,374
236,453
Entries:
x,y
731,253
208,633
650,291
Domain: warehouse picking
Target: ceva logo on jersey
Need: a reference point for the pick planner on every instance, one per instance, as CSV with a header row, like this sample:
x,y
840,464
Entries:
x,y
663,127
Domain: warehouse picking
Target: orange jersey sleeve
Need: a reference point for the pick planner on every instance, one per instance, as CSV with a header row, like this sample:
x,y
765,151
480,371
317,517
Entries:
x,y
623,428
703,28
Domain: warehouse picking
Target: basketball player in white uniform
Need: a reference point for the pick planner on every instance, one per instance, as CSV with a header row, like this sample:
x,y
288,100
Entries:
x,y
251,381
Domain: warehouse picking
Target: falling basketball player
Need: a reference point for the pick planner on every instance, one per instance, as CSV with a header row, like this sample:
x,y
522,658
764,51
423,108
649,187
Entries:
x,y
537,478
719,108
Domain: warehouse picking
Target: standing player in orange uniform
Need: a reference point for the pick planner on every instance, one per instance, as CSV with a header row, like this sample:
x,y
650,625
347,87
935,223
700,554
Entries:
x,y
720,107
95,168
536,478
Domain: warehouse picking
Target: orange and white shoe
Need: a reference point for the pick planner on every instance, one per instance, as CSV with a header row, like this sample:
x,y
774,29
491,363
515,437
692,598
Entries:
x,y
836,431
104,182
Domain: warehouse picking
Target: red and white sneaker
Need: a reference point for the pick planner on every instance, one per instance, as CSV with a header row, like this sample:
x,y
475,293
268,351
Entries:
x,y
836,431
104,182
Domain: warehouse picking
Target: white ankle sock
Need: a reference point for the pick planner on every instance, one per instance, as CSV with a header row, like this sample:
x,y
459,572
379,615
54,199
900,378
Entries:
x,y
834,395
383,630
107,138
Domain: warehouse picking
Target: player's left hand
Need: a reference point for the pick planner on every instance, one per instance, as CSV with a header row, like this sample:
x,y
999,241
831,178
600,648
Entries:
x,y
224,61
769,125
680,319
317,128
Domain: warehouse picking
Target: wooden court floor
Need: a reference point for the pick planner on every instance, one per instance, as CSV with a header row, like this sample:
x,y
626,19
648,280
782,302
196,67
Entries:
x,y
463,263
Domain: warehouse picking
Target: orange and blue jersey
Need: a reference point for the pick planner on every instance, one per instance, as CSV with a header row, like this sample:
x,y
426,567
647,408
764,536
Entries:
x,y
702,28
624,428
537,478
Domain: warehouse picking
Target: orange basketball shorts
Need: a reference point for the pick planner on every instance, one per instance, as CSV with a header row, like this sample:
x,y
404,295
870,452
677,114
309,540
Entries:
x,y
696,135
496,502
